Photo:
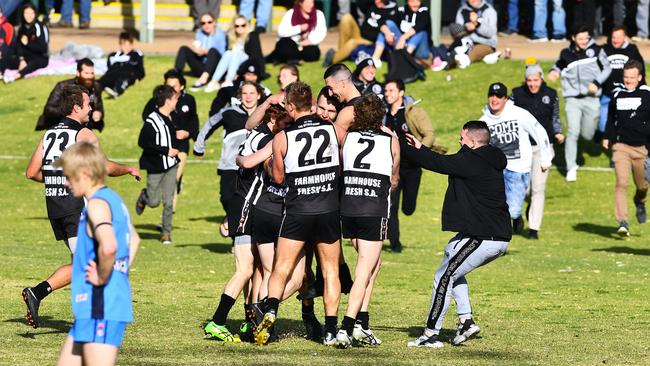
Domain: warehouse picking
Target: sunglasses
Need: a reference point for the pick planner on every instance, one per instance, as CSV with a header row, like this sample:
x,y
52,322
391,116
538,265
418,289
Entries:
x,y
208,22
240,25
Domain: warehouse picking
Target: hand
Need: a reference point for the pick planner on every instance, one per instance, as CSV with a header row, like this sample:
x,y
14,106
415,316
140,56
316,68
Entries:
x,y
470,26
400,43
182,134
413,141
390,38
304,27
553,75
559,138
24,40
473,17
545,168
97,116
305,42
276,98
172,152
92,275
592,88
135,172
22,64
605,144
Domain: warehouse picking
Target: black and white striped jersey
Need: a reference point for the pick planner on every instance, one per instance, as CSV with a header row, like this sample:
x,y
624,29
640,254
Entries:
x,y
367,169
250,181
58,199
311,167
233,121
271,199
157,136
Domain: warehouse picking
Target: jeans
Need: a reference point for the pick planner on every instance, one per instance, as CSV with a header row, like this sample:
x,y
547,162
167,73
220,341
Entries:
x,y
229,64
262,14
559,18
84,10
642,10
516,188
513,15
604,108
419,41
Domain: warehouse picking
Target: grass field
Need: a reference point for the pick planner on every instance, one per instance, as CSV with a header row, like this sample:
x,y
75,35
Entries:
x,y
577,296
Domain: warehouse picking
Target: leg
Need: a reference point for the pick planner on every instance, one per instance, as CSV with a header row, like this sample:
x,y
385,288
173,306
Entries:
x,y
590,115
70,353
310,53
246,8
367,262
537,192
286,257
642,10
66,10
212,59
622,166
539,22
418,45
186,55
99,354
84,10
640,153
182,156
296,279
33,65
559,20
328,254
243,270
263,13
573,117
604,107
222,66
393,221
285,50
479,51
460,292
516,187
410,187
266,252
238,59
154,183
168,187
513,16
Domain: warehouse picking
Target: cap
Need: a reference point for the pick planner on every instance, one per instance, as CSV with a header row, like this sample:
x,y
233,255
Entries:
x,y
249,66
363,64
498,89
534,70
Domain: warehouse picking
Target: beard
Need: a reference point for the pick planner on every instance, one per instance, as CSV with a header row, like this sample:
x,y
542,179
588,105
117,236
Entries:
x,y
86,83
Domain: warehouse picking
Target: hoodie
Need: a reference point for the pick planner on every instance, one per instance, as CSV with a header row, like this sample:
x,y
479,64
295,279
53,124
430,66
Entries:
x,y
617,58
579,68
511,132
486,30
475,201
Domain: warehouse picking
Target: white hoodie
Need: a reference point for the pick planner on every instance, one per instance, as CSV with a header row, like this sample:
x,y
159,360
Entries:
x,y
510,132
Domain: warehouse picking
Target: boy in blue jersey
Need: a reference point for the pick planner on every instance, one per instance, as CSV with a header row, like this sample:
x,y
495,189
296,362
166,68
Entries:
x,y
106,247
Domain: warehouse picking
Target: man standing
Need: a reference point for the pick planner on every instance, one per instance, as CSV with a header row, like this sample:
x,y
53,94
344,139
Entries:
x,y
159,142
475,208
86,78
338,79
511,129
306,157
63,209
626,134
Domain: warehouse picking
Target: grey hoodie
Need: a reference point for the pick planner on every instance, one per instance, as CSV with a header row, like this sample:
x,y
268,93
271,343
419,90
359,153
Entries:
x,y
486,31
579,68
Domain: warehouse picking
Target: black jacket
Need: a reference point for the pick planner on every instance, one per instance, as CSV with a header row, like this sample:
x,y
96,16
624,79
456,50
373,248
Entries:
x,y
184,118
544,106
129,65
617,58
38,39
376,17
51,114
628,119
475,202
157,136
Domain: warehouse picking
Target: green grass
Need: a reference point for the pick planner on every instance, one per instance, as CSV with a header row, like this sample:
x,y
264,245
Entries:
x,y
577,296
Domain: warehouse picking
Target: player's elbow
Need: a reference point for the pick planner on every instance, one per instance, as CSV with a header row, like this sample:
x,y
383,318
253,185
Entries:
x,y
108,250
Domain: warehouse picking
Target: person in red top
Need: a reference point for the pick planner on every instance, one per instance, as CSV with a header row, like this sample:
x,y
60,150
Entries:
x,y
6,46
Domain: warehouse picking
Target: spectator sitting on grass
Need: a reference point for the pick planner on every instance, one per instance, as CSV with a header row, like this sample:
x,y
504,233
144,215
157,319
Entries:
x,y
125,67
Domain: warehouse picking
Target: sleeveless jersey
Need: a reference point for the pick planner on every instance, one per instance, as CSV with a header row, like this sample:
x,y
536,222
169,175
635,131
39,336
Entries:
x,y
249,181
113,300
60,202
271,199
311,167
367,169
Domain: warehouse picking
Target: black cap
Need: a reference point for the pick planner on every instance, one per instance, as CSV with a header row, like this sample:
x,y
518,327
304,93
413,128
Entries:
x,y
249,66
498,89
363,64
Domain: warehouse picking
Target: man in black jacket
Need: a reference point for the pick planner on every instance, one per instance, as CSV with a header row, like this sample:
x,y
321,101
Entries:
x,y
627,134
159,142
475,208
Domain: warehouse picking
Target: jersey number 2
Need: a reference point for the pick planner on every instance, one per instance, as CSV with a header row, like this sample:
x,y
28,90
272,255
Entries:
x,y
320,158
358,164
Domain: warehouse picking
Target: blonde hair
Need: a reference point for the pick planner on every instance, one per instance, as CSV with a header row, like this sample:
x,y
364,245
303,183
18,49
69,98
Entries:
x,y
83,155
232,35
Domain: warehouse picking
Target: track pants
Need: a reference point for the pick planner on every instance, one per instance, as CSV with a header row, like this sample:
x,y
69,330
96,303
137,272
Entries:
x,y
462,255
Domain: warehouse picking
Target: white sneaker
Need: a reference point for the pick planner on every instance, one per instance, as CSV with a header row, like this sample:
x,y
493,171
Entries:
x,y
212,86
111,92
538,40
572,175
364,336
424,341
462,60
8,78
465,331
343,340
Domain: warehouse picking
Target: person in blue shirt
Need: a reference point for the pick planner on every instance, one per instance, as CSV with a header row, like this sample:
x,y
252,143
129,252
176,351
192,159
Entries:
x,y
106,246
206,51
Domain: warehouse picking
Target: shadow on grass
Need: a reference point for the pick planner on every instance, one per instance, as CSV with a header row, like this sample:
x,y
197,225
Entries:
x,y
47,325
623,250
286,328
213,247
38,218
217,219
604,231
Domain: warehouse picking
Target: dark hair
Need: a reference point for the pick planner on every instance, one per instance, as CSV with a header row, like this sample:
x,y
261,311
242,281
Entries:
x,y
161,93
291,67
257,86
398,83
619,27
277,113
298,94
479,130
324,92
175,74
84,62
70,96
633,64
22,13
369,113
580,28
127,36
335,69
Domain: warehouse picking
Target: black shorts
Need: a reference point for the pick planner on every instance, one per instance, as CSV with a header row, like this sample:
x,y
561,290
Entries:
x,y
240,216
266,227
321,228
65,227
364,228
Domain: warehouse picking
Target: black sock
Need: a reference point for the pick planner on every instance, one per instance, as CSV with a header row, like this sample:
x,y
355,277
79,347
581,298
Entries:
x,y
272,305
330,324
363,318
223,309
249,313
307,307
348,324
42,290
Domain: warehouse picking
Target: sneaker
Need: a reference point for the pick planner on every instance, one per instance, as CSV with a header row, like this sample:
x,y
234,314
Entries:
x,y
62,24
140,204
329,339
465,331
424,341
262,332
518,225
343,339
572,175
462,60
538,40
438,64
113,94
212,86
532,234
84,25
313,328
364,337
507,33
33,304
197,86
219,332
623,229
8,79
641,216
329,57
246,332
166,239
558,39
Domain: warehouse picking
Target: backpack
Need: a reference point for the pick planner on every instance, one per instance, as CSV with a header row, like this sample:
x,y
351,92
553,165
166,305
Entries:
x,y
402,65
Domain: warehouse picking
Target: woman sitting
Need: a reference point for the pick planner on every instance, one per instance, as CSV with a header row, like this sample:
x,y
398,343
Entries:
x,y
238,38
32,46
301,30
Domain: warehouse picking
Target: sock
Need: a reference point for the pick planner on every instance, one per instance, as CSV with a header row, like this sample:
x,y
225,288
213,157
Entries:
x,y
330,324
223,309
307,308
363,318
42,290
249,313
272,305
348,324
